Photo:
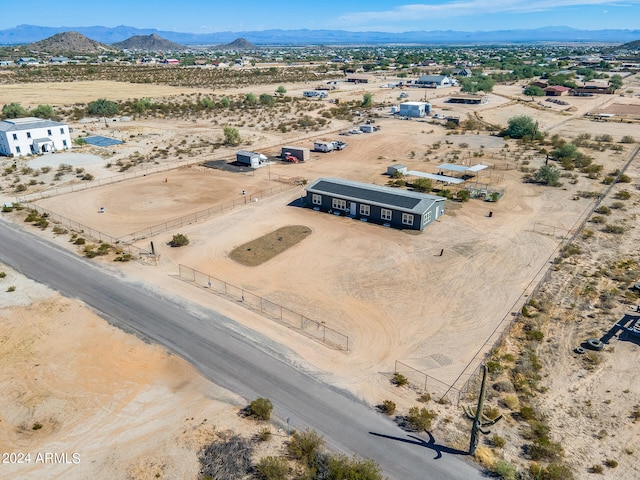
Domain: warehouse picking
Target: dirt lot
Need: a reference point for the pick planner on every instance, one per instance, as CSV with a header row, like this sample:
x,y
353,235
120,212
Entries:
x,y
390,292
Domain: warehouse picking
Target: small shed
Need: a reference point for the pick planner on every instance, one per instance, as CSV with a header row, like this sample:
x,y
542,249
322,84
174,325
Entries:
x,y
302,154
392,169
252,159
415,109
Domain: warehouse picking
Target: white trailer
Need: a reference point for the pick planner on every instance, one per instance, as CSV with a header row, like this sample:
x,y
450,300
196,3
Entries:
x,y
323,146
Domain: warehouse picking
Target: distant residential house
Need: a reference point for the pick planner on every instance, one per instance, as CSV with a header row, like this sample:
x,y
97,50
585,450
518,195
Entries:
x,y
200,61
27,61
540,84
171,61
24,136
59,60
595,86
469,99
357,78
6,63
556,91
462,72
435,81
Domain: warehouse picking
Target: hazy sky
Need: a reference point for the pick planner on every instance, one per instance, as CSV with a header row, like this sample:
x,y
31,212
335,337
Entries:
x,y
203,16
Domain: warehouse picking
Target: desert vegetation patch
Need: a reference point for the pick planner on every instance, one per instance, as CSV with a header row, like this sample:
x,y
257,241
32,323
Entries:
x,y
262,249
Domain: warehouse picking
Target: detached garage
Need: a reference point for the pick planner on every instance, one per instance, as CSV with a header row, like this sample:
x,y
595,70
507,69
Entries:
x,y
374,203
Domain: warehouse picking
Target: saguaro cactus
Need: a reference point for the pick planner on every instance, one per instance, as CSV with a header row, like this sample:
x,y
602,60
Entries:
x,y
480,421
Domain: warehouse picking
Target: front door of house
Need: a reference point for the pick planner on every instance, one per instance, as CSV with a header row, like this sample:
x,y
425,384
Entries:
x,y
352,208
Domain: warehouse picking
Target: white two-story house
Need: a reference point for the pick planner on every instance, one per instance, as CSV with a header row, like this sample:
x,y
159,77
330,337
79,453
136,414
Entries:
x,y
24,136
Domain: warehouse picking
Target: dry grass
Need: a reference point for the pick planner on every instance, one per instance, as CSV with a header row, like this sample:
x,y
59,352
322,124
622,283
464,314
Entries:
x,y
263,249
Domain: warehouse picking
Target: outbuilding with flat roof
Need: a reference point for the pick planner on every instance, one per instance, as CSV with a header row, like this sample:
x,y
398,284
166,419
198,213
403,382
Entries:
x,y
374,203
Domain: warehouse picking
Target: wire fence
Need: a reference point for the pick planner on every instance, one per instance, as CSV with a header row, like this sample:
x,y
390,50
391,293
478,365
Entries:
x,y
274,311
204,214
91,233
54,192
472,374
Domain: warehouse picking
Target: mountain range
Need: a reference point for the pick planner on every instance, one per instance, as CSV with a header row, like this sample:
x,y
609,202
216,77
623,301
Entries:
x,y
23,34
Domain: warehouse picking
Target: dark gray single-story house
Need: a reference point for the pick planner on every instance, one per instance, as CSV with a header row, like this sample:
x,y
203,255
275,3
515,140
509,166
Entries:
x,y
374,203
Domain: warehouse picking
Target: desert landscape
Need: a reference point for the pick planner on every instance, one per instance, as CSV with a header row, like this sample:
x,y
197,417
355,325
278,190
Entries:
x,y
440,302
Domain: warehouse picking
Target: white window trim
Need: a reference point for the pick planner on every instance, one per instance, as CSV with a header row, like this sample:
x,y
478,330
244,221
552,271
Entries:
x,y
365,209
407,219
316,199
427,217
339,204
386,214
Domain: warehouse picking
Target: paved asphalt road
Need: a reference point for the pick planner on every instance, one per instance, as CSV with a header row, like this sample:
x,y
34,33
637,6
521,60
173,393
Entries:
x,y
236,358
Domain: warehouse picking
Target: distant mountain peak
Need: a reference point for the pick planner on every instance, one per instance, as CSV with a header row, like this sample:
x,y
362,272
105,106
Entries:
x,y
69,42
149,43
238,44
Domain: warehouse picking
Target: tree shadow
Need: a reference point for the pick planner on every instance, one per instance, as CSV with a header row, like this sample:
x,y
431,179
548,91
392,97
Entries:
x,y
430,444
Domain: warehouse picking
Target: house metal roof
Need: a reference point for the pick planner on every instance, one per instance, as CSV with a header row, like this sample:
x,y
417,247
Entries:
x,y
413,202
28,123
432,79
433,176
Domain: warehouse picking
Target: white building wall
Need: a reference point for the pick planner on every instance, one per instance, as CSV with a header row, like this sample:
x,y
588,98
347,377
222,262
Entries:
x,y
20,139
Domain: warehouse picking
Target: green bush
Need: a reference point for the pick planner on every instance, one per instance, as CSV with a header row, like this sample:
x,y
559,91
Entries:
x,y
420,419
264,434
179,240
498,441
611,463
12,288
305,447
388,407
80,241
272,468
544,449
399,380
3,274
261,408
505,470
463,195
622,195
339,467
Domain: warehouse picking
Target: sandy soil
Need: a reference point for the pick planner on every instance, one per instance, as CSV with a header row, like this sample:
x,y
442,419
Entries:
x,y
389,291
109,404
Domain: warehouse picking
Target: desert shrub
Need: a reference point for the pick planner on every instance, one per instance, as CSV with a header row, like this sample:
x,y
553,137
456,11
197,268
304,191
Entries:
x,y
179,240
125,257
544,449
424,398
229,459
598,219
494,367
399,380
79,241
264,434
422,185
535,335
272,468
622,195
3,274
12,288
36,426
498,441
528,413
627,139
340,467
260,408
505,470
624,178
463,195
305,447
419,419
611,463
512,402
603,210
388,407
616,229
617,205
597,468
553,471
